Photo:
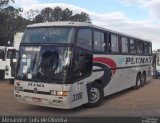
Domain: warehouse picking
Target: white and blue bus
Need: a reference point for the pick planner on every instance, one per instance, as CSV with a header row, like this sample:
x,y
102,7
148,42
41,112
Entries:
x,y
68,64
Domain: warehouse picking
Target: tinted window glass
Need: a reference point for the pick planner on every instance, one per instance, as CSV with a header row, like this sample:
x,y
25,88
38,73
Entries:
x,y
113,43
146,48
132,46
84,39
124,45
139,47
99,41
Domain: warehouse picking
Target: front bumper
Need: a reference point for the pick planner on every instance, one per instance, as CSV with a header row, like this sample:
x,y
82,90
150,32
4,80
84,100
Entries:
x,y
44,100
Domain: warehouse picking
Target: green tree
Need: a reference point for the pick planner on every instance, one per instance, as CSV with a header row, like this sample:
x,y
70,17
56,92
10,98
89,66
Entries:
x,y
57,14
10,22
83,17
66,15
39,19
46,14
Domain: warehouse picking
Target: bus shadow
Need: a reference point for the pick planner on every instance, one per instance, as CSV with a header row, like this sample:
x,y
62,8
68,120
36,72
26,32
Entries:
x,y
42,111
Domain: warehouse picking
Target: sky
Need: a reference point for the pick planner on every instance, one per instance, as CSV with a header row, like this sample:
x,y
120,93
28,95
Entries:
x,y
140,18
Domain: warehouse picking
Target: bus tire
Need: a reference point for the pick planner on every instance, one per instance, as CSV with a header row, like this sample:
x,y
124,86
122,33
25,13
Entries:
x,y
95,95
138,82
143,79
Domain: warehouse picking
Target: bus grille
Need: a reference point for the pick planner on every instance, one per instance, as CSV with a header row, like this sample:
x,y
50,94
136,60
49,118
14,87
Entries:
x,y
39,92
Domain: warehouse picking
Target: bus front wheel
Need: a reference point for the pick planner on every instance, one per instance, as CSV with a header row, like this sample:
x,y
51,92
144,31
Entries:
x,y
95,95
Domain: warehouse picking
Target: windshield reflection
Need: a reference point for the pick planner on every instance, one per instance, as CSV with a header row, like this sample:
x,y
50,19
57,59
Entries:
x,y
44,63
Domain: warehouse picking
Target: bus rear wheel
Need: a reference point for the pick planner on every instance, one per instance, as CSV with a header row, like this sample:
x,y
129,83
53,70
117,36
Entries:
x,y
143,79
138,82
95,95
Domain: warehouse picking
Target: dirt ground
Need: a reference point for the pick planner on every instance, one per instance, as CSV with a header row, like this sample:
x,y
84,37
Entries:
x,y
142,102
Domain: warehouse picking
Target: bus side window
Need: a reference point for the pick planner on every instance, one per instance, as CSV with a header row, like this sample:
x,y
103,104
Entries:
x,y
150,48
99,41
113,43
146,49
125,47
84,39
139,47
132,46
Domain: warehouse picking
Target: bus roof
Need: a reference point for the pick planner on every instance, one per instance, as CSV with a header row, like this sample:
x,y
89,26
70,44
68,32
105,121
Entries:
x,y
80,24
61,23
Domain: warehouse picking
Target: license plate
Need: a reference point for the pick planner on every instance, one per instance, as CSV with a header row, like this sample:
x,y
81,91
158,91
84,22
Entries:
x,y
36,99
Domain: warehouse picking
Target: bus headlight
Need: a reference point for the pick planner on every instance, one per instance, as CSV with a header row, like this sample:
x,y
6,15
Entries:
x,y
59,93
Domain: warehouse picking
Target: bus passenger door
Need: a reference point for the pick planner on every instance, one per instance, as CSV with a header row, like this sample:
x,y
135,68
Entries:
x,y
81,69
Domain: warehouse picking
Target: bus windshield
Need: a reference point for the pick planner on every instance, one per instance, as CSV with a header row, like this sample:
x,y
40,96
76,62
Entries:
x,y
44,64
49,35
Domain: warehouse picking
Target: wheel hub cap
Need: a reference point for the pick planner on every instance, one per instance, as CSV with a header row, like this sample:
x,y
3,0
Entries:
x,y
94,95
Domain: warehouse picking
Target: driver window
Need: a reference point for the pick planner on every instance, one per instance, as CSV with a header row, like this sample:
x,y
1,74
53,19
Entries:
x,y
82,64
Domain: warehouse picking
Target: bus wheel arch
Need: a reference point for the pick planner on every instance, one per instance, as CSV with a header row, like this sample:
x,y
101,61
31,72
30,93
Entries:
x,y
95,94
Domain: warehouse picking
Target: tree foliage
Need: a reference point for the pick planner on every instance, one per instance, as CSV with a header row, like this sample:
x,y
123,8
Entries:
x,y
10,22
57,14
